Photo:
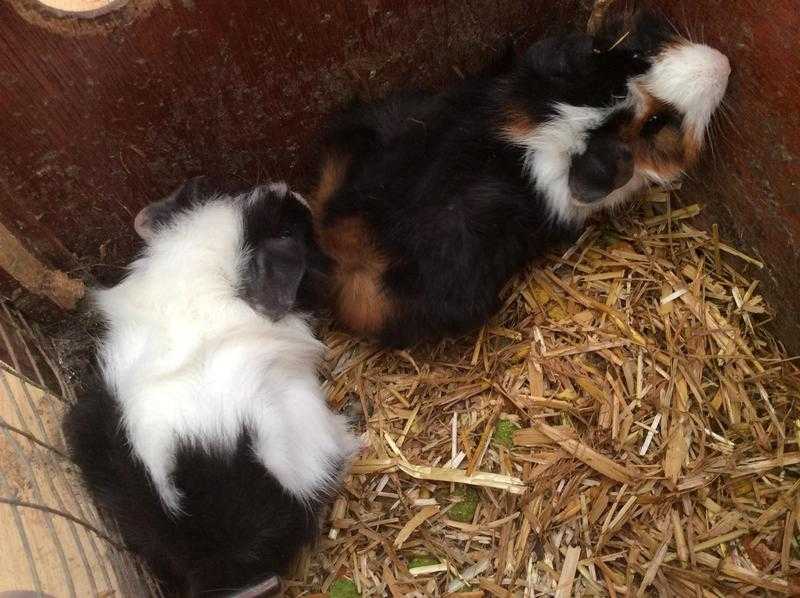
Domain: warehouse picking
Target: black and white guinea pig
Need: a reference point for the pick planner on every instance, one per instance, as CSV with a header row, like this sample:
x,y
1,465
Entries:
x,y
209,438
427,204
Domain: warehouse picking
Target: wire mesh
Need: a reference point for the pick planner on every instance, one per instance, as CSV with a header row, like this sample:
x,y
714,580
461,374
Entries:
x,y
54,541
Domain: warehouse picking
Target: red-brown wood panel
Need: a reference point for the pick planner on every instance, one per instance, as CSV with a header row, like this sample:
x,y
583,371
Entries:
x,y
750,183
100,117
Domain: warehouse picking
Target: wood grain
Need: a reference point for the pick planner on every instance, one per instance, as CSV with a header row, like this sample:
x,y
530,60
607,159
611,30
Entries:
x,y
106,115
100,116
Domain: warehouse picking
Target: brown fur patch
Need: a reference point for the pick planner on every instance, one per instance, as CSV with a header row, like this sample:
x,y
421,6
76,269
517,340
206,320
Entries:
x,y
665,153
516,125
661,154
331,178
691,147
668,142
665,169
360,299
671,143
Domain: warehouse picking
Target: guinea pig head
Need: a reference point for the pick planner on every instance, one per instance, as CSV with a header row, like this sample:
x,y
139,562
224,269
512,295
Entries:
x,y
255,243
279,237
601,117
669,106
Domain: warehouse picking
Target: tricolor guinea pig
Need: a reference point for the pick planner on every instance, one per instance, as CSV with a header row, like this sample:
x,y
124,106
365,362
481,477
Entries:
x,y
208,437
427,204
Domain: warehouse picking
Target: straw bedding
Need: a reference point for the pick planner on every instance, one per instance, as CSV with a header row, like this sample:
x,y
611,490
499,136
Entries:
x,y
624,426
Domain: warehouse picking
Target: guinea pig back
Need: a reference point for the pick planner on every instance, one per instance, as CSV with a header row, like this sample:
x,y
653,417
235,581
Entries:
x,y
427,204
208,437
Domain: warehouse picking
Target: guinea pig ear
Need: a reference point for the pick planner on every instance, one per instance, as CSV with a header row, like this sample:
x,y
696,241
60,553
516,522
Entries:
x,y
161,212
560,57
613,27
273,278
502,62
635,28
271,586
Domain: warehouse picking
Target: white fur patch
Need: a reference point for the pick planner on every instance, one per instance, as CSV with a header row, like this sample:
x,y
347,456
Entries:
x,y
692,78
189,360
281,188
549,149
301,199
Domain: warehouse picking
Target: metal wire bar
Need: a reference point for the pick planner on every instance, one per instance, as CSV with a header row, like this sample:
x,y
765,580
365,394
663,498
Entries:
x,y
17,321
32,438
30,505
130,578
26,545
37,492
58,468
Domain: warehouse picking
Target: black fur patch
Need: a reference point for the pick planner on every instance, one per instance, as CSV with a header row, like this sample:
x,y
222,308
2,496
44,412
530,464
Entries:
x,y
238,527
606,164
641,35
443,191
269,217
667,117
570,69
194,192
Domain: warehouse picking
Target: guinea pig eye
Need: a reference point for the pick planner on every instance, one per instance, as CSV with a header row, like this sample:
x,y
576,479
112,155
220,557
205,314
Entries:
x,y
654,124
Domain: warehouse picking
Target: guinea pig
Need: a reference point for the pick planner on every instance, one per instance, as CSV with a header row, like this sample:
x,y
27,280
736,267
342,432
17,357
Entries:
x,y
208,437
427,204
